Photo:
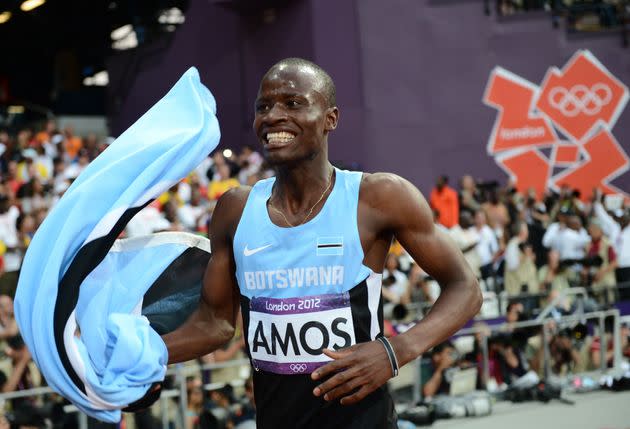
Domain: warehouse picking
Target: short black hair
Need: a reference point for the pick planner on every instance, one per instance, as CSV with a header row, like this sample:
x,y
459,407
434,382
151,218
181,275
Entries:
x,y
326,83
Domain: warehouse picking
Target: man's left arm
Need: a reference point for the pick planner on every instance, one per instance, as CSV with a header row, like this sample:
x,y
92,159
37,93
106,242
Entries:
x,y
362,368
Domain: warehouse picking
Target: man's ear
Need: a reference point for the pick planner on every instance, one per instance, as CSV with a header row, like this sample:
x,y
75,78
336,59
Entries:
x,y
332,118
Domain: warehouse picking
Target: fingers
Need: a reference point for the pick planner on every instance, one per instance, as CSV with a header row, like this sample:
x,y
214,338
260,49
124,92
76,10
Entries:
x,y
348,387
336,365
337,380
357,396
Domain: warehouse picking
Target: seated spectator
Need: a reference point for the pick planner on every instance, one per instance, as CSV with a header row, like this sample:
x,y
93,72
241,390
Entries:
x,y
565,357
520,269
194,393
596,345
395,284
192,215
33,196
250,162
444,359
25,411
600,276
8,325
244,416
422,288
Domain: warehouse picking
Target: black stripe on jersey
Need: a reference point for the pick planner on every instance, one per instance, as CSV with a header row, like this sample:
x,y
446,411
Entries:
x,y
326,246
361,317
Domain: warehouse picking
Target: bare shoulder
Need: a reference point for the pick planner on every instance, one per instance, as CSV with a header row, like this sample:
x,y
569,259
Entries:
x,y
229,209
386,188
396,200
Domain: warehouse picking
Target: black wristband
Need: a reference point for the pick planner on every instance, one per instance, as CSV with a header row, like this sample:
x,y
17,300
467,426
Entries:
x,y
390,354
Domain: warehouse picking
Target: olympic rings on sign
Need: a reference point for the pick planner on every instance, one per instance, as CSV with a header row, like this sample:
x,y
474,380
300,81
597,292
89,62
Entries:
x,y
580,99
297,367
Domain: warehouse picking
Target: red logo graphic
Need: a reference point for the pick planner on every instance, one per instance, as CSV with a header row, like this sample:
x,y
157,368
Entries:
x,y
516,125
582,101
580,95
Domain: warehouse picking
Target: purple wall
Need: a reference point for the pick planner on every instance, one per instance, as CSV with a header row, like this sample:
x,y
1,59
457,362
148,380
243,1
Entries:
x,y
425,68
410,75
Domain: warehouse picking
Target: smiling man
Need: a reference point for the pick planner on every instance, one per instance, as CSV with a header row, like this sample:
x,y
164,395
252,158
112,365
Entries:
x,y
302,255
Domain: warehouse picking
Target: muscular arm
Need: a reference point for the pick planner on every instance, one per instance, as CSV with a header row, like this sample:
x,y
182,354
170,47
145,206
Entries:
x,y
408,217
212,324
390,206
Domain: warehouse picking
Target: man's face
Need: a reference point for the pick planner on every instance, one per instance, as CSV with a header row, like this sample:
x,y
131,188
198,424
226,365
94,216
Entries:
x,y
292,117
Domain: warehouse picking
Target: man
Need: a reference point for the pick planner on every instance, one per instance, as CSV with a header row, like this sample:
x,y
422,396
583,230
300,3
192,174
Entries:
x,y
302,253
487,248
445,200
619,235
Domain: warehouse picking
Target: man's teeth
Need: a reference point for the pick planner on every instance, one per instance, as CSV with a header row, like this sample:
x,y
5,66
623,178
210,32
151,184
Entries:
x,y
280,137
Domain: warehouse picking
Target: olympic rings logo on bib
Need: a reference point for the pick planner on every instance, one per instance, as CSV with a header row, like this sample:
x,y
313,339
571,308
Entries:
x,y
298,367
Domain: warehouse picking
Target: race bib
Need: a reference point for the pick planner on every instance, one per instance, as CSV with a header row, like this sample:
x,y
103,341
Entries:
x,y
286,336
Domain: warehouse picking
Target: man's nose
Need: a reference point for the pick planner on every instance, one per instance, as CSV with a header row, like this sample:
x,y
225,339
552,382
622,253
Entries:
x,y
276,113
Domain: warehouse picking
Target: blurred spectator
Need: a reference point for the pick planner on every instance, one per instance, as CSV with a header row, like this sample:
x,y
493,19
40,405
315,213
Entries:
x,y
8,325
444,359
467,238
395,284
596,344
619,235
444,199
488,246
12,257
600,274
75,168
245,415
497,213
223,183
422,288
71,144
469,195
250,162
192,214
33,196
551,276
520,270
567,236
564,356
194,393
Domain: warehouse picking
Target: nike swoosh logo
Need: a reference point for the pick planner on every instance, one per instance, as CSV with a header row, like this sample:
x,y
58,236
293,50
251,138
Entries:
x,y
250,252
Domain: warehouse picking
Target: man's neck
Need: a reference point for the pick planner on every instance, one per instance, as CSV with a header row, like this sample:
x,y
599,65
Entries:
x,y
299,186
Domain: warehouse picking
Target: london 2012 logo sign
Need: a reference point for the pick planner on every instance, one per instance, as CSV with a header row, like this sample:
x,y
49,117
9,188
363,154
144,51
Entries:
x,y
571,114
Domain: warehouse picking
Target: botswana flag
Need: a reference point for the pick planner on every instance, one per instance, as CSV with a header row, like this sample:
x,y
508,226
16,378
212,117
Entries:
x,y
81,297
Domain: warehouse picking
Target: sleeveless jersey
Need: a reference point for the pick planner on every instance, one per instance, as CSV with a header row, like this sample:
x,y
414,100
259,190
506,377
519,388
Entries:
x,y
304,289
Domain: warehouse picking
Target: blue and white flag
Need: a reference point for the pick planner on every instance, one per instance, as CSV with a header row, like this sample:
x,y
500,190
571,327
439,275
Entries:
x,y
80,302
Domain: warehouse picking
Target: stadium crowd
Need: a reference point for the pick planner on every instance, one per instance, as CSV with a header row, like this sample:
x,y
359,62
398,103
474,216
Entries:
x,y
524,247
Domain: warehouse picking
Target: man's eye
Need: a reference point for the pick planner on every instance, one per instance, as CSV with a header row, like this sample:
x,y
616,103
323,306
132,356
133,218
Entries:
x,y
262,107
293,103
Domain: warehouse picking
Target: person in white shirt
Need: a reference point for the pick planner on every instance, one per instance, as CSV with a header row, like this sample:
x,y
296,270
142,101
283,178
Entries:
x,y
395,282
467,238
13,255
567,236
488,245
619,236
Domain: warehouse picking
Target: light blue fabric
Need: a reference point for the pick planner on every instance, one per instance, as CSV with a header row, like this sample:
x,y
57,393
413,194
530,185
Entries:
x,y
122,354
